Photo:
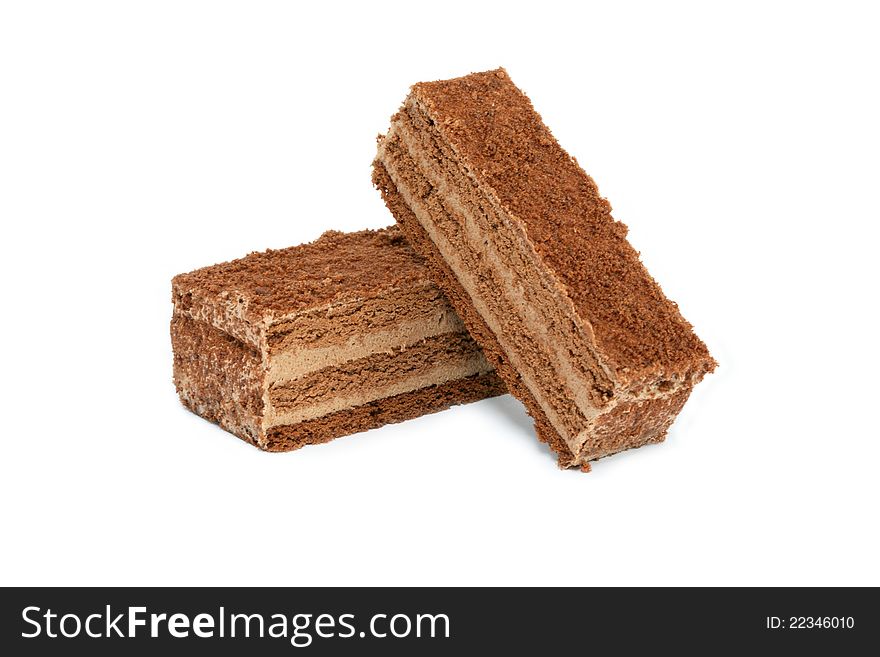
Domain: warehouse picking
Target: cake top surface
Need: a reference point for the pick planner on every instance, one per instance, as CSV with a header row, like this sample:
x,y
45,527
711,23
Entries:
x,y
502,140
337,267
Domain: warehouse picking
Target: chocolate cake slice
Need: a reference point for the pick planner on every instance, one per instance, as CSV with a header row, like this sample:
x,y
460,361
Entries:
x,y
519,239
299,346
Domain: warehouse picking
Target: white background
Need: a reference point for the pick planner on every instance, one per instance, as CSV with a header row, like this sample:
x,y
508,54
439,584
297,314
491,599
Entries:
x,y
139,140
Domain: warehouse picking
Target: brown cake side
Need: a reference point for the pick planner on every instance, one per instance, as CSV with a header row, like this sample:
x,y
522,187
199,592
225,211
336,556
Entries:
x,y
446,280
536,266
302,345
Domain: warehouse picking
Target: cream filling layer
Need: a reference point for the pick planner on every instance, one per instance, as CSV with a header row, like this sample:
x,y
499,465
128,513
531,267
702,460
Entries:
x,y
450,370
296,362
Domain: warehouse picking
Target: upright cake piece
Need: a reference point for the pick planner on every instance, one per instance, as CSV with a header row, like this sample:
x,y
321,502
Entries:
x,y
544,278
299,346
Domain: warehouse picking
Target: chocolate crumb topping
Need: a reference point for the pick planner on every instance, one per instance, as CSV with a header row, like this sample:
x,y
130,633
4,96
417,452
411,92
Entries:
x,y
502,140
335,267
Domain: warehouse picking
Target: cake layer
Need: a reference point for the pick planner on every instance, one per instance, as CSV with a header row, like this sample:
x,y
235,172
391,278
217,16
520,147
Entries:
x,y
343,323
316,294
435,360
585,377
278,373
335,269
387,410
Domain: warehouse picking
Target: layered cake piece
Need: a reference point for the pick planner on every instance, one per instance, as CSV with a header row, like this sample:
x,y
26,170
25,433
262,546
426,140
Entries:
x,y
299,346
518,237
